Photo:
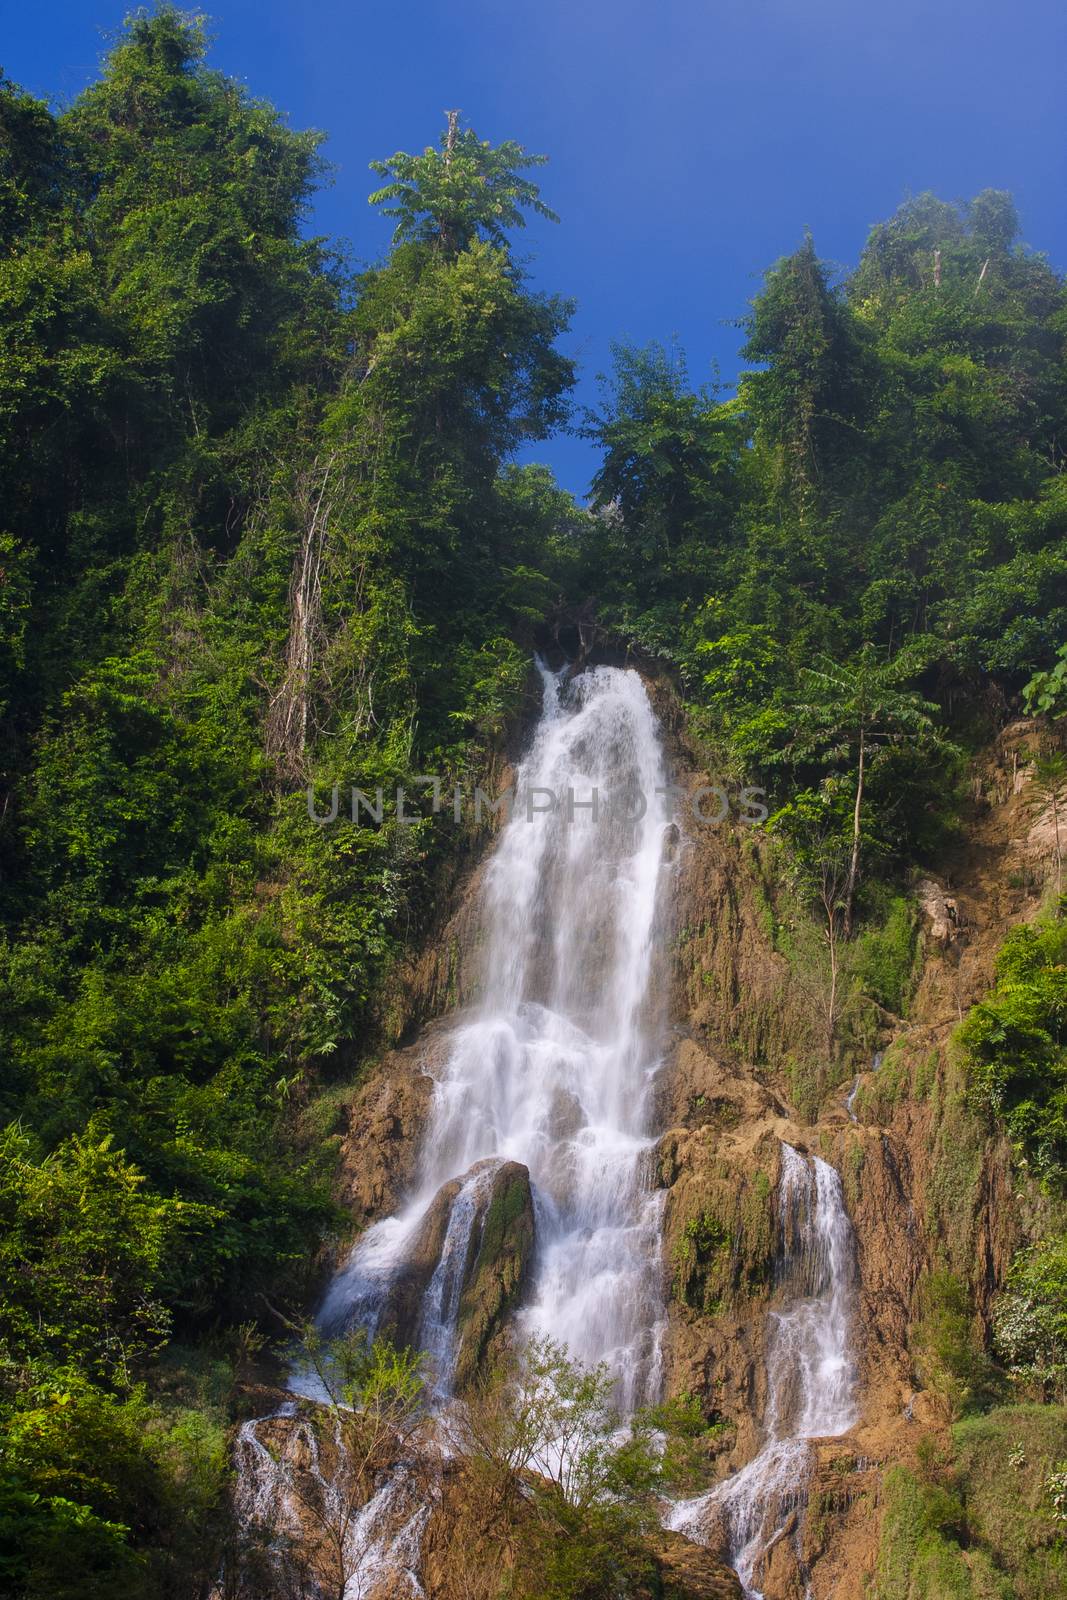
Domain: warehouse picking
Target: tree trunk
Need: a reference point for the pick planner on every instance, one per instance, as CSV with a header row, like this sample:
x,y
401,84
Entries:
x,y
854,864
1059,852
831,1010
287,716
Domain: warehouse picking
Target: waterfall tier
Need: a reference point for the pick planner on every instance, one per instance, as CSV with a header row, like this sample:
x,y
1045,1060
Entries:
x,y
553,1072
810,1375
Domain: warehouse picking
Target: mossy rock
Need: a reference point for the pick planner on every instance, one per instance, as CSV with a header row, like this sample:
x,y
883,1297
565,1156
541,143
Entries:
x,y
493,1272
400,1317
724,1250
498,1264
682,1570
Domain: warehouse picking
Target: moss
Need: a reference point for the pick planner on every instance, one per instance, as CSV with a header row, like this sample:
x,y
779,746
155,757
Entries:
x,y
506,1207
1004,1460
924,1075
713,1110
701,1253
496,1274
919,1557
956,1171
807,1082
725,1249
761,895
949,1351
452,985
980,1525
885,960
852,1171
323,1117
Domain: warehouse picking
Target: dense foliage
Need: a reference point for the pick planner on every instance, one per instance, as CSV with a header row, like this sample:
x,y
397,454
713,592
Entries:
x,y
258,532
869,537
1016,1046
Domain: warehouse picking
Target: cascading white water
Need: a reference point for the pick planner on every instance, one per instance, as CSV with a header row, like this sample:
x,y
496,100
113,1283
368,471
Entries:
x,y
441,1304
369,1551
554,1070
810,1376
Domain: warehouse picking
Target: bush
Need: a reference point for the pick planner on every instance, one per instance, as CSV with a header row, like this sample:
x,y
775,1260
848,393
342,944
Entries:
x,y
1015,1047
1030,1316
948,1348
884,958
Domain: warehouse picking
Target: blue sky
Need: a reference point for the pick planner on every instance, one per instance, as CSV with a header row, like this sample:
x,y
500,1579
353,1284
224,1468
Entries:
x,y
692,141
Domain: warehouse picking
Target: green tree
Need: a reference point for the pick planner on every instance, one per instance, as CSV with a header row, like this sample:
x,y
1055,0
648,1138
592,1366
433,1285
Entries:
x,y
666,482
805,402
854,715
466,190
569,1487
1045,694
84,1246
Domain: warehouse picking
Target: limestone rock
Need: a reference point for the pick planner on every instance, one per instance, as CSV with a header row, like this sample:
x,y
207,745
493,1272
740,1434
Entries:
x,y
941,911
491,1268
687,1571
498,1265
400,1318
385,1122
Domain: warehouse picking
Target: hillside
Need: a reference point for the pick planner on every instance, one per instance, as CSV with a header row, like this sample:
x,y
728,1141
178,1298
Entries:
x,y
264,541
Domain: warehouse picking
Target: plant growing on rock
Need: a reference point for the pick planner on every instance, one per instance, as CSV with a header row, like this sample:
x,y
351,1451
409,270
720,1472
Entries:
x,y
566,1492
1014,1045
1047,784
326,1466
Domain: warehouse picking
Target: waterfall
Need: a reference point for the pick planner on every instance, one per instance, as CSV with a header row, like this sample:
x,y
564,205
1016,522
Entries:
x,y
810,1376
850,1098
441,1304
554,1069
364,1552
552,1074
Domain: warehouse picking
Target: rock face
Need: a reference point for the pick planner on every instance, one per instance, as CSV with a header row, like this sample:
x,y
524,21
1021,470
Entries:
x,y
473,1247
941,911
749,1065
385,1119
497,1266
402,1313
689,1572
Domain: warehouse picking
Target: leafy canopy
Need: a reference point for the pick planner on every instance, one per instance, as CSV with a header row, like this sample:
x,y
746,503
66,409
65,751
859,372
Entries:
x,y
467,189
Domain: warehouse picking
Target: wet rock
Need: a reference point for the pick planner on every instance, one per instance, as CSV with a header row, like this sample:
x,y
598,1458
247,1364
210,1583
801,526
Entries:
x,y
400,1318
499,1260
491,1266
380,1150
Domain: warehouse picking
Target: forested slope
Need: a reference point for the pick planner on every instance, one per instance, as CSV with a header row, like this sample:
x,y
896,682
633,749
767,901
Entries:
x,y
260,528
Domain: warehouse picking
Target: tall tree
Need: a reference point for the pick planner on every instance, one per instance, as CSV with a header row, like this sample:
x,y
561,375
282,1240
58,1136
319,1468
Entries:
x,y
805,400
467,189
853,713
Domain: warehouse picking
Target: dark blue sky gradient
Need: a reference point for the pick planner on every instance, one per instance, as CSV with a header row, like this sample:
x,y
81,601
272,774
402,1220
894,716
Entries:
x,y
691,140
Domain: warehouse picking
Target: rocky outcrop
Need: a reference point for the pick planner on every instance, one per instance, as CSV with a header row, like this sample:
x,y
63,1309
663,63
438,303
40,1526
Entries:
x,y
497,1267
687,1571
478,1231
401,1314
384,1123
941,911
